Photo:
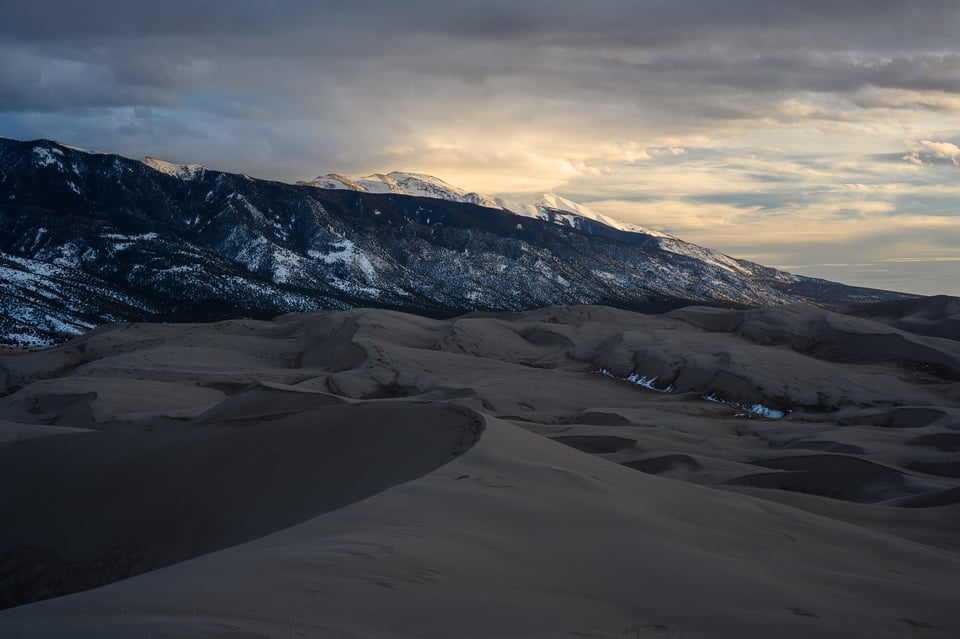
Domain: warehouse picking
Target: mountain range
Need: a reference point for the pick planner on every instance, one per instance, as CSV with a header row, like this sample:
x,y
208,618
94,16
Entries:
x,y
90,238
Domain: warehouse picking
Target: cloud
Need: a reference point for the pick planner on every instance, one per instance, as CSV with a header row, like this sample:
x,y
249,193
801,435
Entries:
x,y
929,152
687,57
921,259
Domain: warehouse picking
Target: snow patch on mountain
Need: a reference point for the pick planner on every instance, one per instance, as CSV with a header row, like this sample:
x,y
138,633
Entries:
x,y
44,157
40,302
346,252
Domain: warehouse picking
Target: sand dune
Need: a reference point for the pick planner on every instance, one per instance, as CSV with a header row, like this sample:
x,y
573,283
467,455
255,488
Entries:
x,y
369,473
140,498
937,316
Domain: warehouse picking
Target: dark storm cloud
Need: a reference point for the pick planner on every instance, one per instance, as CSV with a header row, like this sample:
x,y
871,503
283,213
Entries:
x,y
814,71
887,25
59,20
68,55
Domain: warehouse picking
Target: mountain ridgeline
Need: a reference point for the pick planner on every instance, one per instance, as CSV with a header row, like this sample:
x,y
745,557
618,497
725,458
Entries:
x,y
90,238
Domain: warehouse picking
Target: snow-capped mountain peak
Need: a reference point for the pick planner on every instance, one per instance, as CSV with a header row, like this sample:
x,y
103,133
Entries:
x,y
549,206
554,202
181,171
394,182
422,182
560,203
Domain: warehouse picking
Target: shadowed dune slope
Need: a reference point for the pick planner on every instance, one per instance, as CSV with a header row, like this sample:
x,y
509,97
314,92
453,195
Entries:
x,y
522,537
84,510
936,316
785,472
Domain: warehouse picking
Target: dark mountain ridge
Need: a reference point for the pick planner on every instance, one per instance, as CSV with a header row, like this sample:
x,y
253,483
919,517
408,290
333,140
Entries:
x,y
89,238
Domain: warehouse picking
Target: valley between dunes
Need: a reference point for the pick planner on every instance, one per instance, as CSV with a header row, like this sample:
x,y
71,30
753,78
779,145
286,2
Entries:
x,y
566,472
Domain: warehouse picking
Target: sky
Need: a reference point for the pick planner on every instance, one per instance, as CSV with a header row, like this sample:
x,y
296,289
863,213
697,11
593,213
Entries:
x,y
818,136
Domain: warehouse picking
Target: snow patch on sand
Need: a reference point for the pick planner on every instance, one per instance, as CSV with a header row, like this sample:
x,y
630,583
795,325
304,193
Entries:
x,y
639,380
757,410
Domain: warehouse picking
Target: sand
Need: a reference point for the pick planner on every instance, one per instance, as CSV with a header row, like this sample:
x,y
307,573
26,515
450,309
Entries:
x,y
372,474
